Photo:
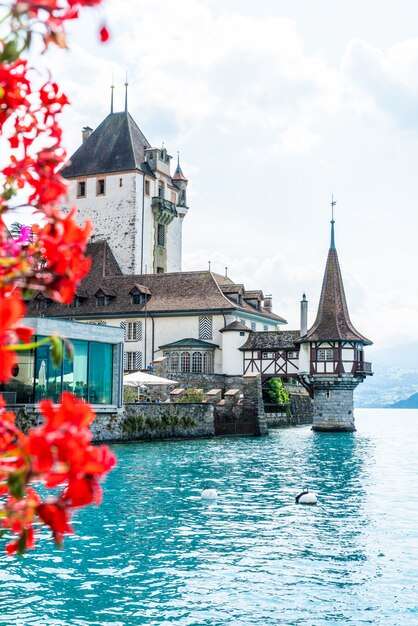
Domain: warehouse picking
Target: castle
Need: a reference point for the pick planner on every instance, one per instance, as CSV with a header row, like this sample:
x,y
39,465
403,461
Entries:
x,y
204,324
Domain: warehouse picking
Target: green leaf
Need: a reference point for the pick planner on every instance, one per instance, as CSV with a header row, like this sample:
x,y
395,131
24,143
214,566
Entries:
x,y
57,350
16,485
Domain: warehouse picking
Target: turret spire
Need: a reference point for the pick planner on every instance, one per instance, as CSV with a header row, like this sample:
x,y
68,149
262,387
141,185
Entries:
x,y
126,92
333,203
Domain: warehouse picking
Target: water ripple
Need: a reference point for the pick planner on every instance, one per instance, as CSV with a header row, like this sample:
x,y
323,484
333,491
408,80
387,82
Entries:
x,y
155,553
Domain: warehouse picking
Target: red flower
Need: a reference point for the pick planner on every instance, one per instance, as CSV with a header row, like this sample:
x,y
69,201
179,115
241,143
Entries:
x,y
104,34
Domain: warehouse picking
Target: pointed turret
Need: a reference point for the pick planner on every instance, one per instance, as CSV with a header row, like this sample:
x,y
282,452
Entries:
x,y
180,182
331,359
333,320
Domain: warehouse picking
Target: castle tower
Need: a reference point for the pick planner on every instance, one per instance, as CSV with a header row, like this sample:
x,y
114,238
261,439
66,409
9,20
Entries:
x,y
332,351
124,186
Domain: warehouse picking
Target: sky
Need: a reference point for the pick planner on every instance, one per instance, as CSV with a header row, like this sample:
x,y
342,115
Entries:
x,y
274,106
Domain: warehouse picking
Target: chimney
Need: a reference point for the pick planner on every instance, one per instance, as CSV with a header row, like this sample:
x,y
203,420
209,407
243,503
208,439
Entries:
x,y
303,316
268,303
86,132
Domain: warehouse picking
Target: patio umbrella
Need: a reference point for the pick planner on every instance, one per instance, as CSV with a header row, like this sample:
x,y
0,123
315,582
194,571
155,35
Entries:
x,y
42,374
142,378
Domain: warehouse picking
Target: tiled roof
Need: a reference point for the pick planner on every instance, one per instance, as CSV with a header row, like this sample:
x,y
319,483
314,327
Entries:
x,y
280,340
235,326
117,145
171,292
333,320
232,288
255,294
189,343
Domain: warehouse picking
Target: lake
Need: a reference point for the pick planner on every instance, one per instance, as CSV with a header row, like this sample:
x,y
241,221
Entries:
x,y
156,553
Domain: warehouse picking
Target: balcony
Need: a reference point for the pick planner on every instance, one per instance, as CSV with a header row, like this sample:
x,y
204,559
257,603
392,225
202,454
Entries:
x,y
361,367
164,210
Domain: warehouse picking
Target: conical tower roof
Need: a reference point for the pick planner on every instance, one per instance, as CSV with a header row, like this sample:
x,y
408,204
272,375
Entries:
x,y
178,174
333,320
117,145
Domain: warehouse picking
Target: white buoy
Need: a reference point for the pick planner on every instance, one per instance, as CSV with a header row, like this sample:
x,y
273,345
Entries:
x,y
209,494
306,497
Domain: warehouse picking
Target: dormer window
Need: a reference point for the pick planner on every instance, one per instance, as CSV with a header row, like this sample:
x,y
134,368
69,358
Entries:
x,y
42,303
104,296
81,189
102,300
139,294
100,187
76,302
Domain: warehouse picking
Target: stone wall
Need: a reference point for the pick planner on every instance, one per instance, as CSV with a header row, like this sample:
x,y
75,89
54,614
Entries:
x,y
142,421
206,381
333,403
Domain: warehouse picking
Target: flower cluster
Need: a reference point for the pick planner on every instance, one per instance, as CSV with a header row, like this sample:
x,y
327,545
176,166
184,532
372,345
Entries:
x,y
48,257
59,454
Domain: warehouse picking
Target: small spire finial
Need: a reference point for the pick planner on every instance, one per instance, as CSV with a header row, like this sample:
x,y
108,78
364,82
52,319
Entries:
x,y
126,91
112,86
178,158
333,203
209,263
226,271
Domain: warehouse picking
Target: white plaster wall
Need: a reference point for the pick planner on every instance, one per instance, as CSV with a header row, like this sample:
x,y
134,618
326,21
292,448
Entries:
x,y
174,245
148,230
232,358
304,358
113,215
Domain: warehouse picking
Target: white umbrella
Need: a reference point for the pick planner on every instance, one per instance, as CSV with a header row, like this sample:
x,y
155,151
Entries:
x,y
142,378
42,374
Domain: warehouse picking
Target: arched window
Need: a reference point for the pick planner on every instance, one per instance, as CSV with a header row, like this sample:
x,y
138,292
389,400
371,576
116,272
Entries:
x,y
185,361
208,362
197,362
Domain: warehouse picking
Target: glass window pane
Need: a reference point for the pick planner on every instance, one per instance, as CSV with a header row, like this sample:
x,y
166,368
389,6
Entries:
x,y
75,371
100,373
19,389
48,378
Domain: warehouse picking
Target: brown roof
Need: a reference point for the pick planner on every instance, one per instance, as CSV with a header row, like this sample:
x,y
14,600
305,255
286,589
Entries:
x,y
235,326
276,340
333,320
170,292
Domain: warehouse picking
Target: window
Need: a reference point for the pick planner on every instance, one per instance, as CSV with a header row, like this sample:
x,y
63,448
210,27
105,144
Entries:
x,y
76,302
147,187
88,374
267,355
133,361
160,270
160,235
81,189
196,362
253,326
138,298
102,300
292,355
160,189
265,328
42,303
100,187
205,327
133,330
120,182
325,355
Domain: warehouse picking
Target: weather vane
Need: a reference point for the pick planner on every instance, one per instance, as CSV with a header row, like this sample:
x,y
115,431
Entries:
x,y
333,203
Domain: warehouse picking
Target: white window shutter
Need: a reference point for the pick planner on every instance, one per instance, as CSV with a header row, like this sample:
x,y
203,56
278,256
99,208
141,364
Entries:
x,y
123,325
124,361
138,331
138,360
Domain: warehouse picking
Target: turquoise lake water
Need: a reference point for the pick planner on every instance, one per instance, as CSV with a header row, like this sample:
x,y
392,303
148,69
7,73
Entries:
x,y
155,553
